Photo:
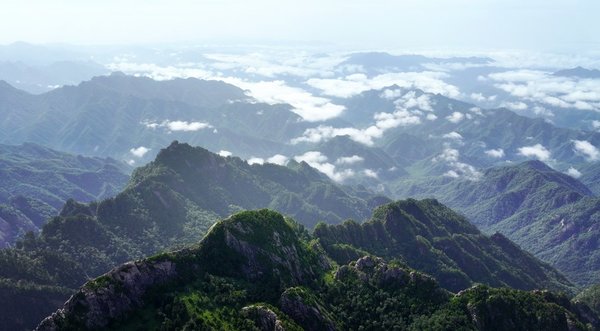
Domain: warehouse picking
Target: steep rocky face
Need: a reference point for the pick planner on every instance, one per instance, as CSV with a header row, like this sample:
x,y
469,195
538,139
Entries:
x,y
110,296
306,309
264,318
262,247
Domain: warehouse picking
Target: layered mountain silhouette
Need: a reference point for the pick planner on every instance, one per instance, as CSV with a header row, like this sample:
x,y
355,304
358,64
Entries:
x,y
174,200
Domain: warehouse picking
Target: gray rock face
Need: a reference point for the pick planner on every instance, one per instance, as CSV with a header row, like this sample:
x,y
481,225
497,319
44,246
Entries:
x,y
264,318
110,296
284,257
305,311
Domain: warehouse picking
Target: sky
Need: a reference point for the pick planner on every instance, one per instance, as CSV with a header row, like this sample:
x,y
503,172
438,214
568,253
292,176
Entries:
x,y
548,25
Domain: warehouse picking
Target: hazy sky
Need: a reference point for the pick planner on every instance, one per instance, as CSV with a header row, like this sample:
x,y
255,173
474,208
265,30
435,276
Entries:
x,y
542,25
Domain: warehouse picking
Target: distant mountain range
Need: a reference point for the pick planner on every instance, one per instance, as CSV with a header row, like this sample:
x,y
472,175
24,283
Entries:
x,y
109,116
36,181
579,72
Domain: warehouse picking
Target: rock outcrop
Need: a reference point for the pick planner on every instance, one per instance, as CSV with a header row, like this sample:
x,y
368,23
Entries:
x,y
109,296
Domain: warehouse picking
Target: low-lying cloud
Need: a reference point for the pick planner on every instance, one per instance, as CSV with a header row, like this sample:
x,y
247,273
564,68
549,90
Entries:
x,y
139,151
450,157
177,125
536,151
573,172
278,159
319,161
586,149
496,153
455,117
428,81
349,160
544,88
311,108
409,110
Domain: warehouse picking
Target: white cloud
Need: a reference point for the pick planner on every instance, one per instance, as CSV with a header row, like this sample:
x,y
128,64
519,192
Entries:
x,y
453,135
411,100
476,111
455,117
186,126
451,173
450,157
349,160
140,151
177,125
431,117
311,108
255,160
542,111
495,153
160,73
428,81
319,161
515,105
544,88
225,153
383,122
537,151
573,172
482,98
131,162
278,159
271,64
596,124
404,115
585,148
370,173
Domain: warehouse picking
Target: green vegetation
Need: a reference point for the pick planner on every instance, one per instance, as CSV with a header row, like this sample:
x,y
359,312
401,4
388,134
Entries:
x,y
547,213
432,238
169,204
591,297
256,270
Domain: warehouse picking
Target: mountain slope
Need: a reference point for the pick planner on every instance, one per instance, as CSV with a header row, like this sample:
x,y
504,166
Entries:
x,y
35,181
432,238
256,270
167,204
110,115
548,213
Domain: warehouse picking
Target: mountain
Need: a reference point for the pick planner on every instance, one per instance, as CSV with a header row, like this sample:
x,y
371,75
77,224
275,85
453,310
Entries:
x,y
174,200
111,115
35,181
591,297
354,155
579,72
169,203
44,78
548,213
258,270
434,239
